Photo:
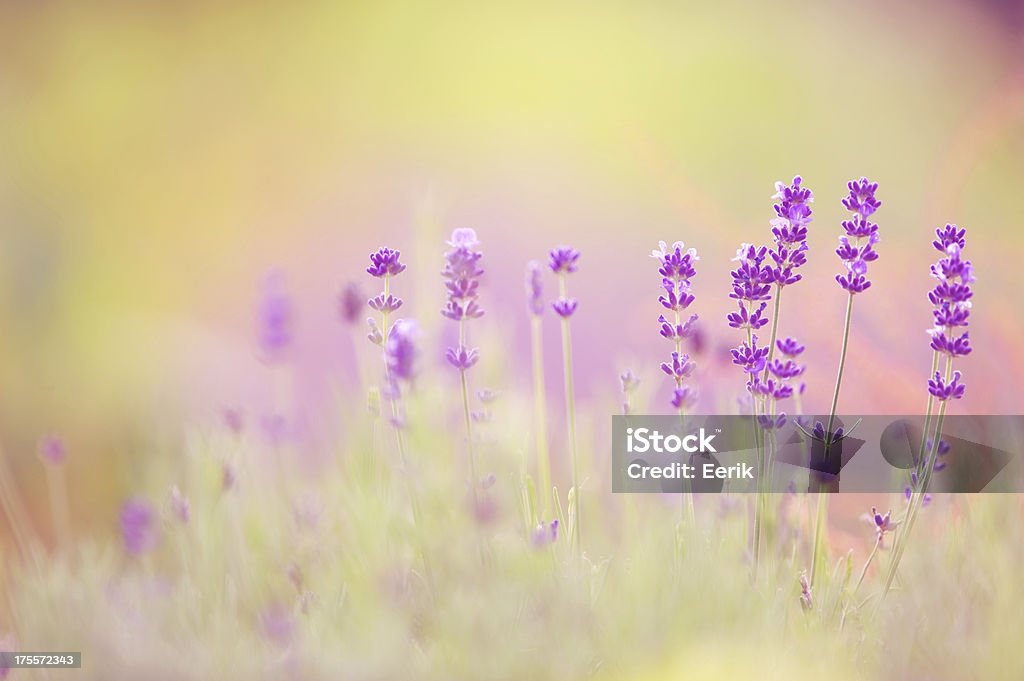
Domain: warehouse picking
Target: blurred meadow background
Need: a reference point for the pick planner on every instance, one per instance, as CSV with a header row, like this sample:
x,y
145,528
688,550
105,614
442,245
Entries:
x,y
159,160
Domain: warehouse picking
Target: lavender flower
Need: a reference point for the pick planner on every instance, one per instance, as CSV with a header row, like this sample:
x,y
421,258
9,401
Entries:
x,y
350,303
400,351
462,274
806,600
676,267
275,318
233,419
562,261
543,535
534,288
384,264
856,248
789,230
946,390
52,450
138,526
883,523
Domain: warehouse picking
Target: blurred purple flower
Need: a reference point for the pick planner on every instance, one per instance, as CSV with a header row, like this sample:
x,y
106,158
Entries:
x,y
52,450
277,623
350,303
275,317
138,526
462,358
564,307
233,420
400,350
563,260
462,274
534,288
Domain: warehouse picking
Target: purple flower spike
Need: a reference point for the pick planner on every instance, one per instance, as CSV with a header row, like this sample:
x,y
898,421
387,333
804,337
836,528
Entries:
x,y
563,260
384,262
789,230
857,247
138,526
534,288
951,301
52,450
351,303
462,274
400,351
953,390
382,303
275,317
564,307
676,266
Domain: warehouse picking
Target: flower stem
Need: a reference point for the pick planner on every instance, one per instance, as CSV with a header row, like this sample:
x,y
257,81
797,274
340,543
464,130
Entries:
x,y
917,498
822,516
570,414
540,416
775,332
839,374
867,563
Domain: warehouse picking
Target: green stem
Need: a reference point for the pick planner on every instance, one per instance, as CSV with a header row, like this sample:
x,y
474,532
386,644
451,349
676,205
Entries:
x,y
867,563
570,413
822,515
839,374
540,416
775,331
917,498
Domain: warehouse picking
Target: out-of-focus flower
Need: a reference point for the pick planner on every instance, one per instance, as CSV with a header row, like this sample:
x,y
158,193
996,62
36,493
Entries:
x,y
401,352
277,623
138,526
52,450
562,260
275,318
233,419
534,288
350,303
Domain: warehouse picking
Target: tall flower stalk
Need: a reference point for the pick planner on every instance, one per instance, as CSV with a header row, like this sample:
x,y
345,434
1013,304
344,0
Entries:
x,y
562,261
535,303
751,287
676,267
951,309
398,350
855,251
462,274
